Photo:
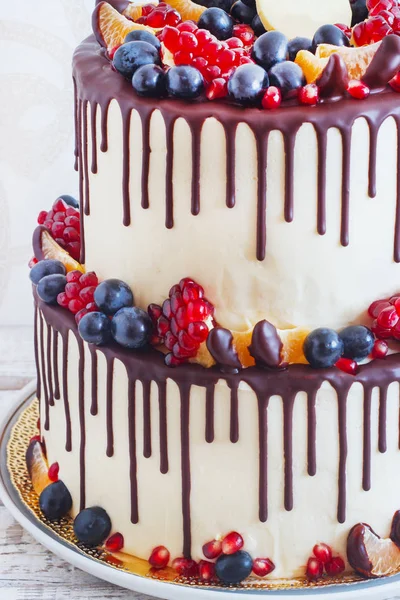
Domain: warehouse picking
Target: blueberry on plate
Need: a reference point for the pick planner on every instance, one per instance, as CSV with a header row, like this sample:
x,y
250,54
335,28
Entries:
x,y
358,342
95,328
140,35
329,34
257,26
129,57
92,526
323,348
46,267
184,82
234,568
243,13
359,10
297,44
112,295
149,81
217,22
69,200
287,76
248,84
50,286
270,48
55,501
132,327
224,4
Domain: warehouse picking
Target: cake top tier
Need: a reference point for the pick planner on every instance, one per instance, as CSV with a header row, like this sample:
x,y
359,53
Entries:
x,y
253,52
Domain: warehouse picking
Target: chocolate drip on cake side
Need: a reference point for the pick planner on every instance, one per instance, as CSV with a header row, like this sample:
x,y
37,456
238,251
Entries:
x,y
269,386
98,84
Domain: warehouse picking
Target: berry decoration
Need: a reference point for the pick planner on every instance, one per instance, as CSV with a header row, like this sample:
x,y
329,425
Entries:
x,y
263,567
329,34
149,81
248,84
184,82
386,318
129,57
358,342
92,526
113,294
270,49
272,98
63,224
55,501
185,567
212,549
335,567
380,349
54,469
234,568
347,366
323,553
232,543
206,570
159,558
131,327
287,76
50,287
323,348
46,267
217,22
314,569
95,328
309,94
115,543
358,90
138,35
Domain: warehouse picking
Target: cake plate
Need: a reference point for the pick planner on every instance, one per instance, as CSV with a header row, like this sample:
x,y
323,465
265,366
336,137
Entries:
x,y
381,589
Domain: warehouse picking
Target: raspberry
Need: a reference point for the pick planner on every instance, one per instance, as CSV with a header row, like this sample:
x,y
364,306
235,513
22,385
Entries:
x,y
63,224
181,324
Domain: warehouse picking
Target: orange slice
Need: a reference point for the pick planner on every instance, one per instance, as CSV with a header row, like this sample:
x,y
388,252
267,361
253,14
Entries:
x,y
311,65
189,11
48,248
37,467
357,59
293,342
111,28
370,555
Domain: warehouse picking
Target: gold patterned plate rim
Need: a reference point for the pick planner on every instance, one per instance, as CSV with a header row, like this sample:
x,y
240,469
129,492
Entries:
x,y
18,495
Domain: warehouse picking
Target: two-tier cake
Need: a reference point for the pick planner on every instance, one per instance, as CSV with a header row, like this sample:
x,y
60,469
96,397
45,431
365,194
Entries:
x,y
218,377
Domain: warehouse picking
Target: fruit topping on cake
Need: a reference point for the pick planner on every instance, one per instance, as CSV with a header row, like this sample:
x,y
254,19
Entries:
x,y
386,318
383,19
111,28
78,296
372,556
92,526
115,542
323,560
234,568
55,501
63,224
45,247
37,466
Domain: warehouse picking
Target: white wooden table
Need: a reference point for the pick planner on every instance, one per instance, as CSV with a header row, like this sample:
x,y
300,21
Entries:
x,y
27,570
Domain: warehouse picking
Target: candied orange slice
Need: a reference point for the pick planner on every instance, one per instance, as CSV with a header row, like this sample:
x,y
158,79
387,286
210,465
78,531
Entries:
x,y
311,65
37,466
370,555
357,59
293,342
111,28
51,249
189,11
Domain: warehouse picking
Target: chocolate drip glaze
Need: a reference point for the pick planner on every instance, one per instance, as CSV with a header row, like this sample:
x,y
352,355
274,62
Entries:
x,y
146,419
68,428
85,158
220,346
94,405
36,348
93,129
44,377
98,84
266,345
49,367
148,366
55,363
109,407
82,427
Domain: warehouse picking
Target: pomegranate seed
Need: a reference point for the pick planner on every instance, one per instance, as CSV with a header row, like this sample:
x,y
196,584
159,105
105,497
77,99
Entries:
x,y
72,212
74,248
183,58
59,217
234,42
309,94
246,60
170,340
323,553
172,361
380,332
335,567
272,98
196,310
72,290
57,229
395,83
244,33
42,217
189,26
87,294
154,311
232,543
377,307
204,36
314,569
48,224
181,353
147,9
188,41
166,308
92,307
212,72
186,342
176,302
74,276
345,28
198,331
75,306
115,543
79,315
181,317
348,366
34,261
88,279
175,288
185,567
63,300
226,59
159,558
38,424
388,318
73,222
59,206
156,19
212,549
170,38
61,242
357,89
263,567
380,349
163,326
382,5
70,234
173,18
211,50
218,88
200,63
206,570
53,471
174,327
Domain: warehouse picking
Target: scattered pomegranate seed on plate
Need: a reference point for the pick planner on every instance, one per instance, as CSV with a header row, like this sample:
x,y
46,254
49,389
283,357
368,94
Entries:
x,y
185,567
206,570
335,567
159,557
263,567
323,553
212,549
115,543
314,569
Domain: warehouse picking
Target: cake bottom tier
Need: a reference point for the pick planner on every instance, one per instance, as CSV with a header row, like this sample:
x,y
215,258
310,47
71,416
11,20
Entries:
x,y
178,457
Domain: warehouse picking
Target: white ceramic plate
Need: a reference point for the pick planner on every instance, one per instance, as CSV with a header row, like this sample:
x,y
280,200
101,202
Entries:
x,y
388,589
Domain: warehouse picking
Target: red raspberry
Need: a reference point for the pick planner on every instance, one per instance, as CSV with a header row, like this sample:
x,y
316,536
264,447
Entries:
x,y
180,323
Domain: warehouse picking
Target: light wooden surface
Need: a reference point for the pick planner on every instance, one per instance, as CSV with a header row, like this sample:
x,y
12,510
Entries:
x,y
27,570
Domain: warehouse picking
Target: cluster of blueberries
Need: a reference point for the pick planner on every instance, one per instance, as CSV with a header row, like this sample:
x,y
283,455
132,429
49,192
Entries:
x,y
138,59
116,318
323,347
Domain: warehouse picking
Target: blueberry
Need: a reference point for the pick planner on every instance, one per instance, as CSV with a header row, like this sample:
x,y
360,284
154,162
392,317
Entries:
x,y
55,501
270,48
297,44
149,81
139,35
359,10
234,568
218,22
323,348
95,328
257,26
243,13
247,84
92,526
329,34
70,200
50,286
358,341
287,76
112,295
46,267
131,327
184,82
224,4
251,3
129,57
